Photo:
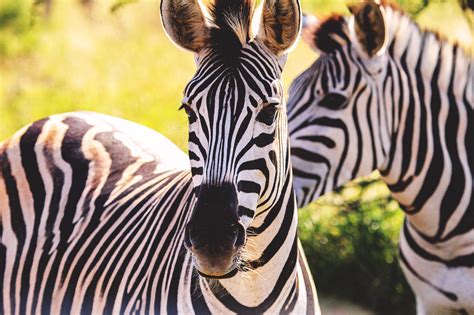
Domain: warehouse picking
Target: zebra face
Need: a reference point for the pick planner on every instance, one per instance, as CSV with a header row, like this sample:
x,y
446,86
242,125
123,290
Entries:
x,y
236,131
238,140
334,107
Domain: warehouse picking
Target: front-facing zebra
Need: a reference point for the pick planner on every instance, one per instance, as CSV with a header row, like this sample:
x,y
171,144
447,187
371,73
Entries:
x,y
100,216
385,95
245,217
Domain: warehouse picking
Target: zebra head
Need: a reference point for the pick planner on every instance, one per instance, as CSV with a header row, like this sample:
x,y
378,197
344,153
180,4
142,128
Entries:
x,y
334,107
238,138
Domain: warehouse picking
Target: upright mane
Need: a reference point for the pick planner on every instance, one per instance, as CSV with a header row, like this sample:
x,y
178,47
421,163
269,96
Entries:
x,y
231,22
333,32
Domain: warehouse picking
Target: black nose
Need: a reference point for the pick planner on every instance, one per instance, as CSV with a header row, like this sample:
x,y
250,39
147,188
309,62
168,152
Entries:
x,y
214,225
214,235
217,237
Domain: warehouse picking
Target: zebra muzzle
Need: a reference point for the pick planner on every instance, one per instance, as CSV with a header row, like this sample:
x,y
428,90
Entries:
x,y
214,234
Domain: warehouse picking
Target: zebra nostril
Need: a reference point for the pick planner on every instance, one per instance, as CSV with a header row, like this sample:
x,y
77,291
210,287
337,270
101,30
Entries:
x,y
187,239
190,239
240,239
197,239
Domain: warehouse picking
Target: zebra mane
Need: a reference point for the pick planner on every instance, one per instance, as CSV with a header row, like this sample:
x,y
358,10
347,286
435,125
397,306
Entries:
x,y
231,22
332,32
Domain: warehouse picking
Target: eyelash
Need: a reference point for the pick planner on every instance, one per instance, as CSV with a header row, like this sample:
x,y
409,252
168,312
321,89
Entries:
x,y
186,108
189,112
266,115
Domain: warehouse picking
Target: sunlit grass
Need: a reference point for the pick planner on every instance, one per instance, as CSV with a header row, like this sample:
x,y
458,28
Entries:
x,y
119,64
122,64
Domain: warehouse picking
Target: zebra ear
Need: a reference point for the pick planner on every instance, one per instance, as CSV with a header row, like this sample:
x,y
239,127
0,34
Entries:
x,y
280,24
367,24
185,24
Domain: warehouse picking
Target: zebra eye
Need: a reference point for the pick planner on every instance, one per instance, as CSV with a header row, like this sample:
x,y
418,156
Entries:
x,y
333,101
267,114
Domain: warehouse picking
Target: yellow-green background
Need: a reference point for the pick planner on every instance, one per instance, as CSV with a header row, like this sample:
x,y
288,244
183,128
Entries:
x,y
121,63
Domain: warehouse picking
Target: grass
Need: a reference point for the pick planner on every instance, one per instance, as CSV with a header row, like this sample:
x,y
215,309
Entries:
x,y
117,63
121,64
113,64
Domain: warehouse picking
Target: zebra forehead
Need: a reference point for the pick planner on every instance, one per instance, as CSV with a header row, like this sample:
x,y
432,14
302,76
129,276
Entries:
x,y
240,83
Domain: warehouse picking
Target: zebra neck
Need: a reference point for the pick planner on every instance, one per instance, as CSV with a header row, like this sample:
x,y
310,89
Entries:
x,y
270,276
428,101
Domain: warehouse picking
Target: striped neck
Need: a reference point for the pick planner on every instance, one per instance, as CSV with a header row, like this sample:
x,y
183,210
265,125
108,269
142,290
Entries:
x,y
427,113
270,276
394,102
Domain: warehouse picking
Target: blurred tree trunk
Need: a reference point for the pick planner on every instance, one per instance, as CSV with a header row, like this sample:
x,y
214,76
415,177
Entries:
x,y
86,3
87,6
47,6
467,4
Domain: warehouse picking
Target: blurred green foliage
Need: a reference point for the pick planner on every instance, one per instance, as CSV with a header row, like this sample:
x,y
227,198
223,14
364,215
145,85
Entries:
x,y
120,4
112,56
16,27
350,238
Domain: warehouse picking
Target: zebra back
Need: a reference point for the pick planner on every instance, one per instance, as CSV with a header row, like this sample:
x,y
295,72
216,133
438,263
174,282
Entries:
x,y
92,219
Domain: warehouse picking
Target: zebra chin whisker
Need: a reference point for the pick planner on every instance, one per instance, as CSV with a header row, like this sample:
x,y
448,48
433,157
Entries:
x,y
249,251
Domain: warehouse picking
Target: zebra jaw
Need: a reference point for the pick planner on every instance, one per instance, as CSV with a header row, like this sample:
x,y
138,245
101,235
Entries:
x,y
199,261
229,272
237,263
228,275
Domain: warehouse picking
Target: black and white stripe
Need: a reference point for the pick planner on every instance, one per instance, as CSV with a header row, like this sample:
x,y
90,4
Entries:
x,y
94,210
99,215
87,218
238,147
405,109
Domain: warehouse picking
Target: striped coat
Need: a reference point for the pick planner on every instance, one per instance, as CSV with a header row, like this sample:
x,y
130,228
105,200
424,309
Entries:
x,y
386,95
93,216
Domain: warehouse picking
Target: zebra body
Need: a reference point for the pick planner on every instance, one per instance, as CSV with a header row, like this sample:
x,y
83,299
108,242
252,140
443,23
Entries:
x,y
72,187
117,245
103,216
386,95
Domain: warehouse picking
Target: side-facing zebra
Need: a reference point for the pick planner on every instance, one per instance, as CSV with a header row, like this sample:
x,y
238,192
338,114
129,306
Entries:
x,y
100,215
386,95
